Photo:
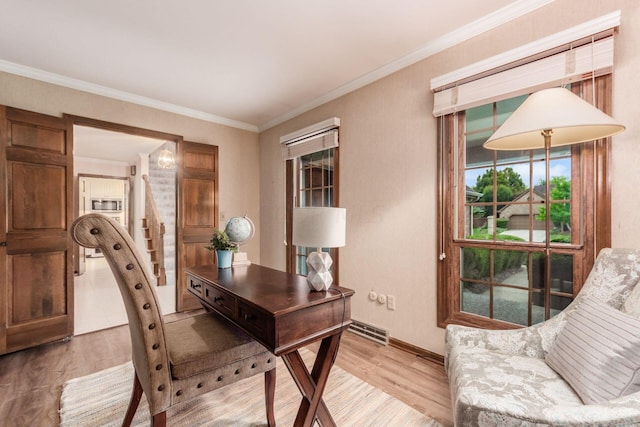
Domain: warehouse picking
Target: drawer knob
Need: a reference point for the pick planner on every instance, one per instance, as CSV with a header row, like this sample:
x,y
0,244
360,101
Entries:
x,y
218,299
249,317
196,285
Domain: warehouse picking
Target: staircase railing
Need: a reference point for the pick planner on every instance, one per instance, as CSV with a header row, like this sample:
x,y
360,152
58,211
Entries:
x,y
154,230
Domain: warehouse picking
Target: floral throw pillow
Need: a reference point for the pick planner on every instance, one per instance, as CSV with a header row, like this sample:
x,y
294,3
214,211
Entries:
x,y
632,304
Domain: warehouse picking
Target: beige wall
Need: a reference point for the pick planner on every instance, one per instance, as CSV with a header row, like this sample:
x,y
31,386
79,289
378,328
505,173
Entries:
x,y
388,169
238,149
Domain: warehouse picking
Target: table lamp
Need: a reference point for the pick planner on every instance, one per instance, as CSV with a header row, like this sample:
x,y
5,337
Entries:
x,y
317,227
550,118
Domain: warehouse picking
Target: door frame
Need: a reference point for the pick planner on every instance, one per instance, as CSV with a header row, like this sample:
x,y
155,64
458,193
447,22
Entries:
x,y
137,131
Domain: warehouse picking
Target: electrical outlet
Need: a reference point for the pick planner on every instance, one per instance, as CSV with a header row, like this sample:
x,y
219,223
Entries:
x,y
391,302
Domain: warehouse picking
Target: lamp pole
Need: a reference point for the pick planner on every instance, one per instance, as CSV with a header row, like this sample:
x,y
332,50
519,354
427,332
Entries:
x,y
546,133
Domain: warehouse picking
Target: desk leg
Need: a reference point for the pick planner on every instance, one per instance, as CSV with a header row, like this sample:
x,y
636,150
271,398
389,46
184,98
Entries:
x,y
312,385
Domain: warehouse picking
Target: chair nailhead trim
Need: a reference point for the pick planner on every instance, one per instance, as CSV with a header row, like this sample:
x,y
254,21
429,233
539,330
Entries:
x,y
117,246
146,306
94,231
253,366
138,286
129,266
156,346
161,387
199,385
220,378
237,371
179,393
158,367
152,326
269,360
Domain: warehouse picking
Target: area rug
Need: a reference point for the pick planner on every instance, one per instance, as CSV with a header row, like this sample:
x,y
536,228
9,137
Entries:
x,y
101,399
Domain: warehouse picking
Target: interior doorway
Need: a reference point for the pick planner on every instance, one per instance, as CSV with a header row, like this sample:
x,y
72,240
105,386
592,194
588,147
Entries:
x,y
108,169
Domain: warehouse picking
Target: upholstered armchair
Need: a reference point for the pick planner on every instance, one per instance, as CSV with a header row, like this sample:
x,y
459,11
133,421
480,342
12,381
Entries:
x,y
501,378
174,361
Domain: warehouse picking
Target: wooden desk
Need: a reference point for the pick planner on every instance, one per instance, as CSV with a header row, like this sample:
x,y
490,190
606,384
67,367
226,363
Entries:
x,y
280,311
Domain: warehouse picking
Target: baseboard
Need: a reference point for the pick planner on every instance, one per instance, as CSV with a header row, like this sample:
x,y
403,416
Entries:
x,y
418,351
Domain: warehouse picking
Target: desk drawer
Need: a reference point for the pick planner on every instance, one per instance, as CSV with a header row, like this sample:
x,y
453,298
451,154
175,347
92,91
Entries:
x,y
252,319
220,300
195,285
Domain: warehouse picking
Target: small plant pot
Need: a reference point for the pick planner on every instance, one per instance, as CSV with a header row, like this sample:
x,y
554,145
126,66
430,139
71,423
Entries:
x,y
224,259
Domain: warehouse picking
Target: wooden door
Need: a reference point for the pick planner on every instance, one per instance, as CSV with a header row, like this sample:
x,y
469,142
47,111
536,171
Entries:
x,y
197,212
36,265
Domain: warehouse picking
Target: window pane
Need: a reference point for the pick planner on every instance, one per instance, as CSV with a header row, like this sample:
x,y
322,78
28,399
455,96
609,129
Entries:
x,y
476,154
474,298
562,273
511,305
475,263
506,107
479,118
510,268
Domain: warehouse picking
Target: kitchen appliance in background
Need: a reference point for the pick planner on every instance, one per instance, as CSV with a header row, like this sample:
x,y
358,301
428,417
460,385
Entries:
x,y
101,205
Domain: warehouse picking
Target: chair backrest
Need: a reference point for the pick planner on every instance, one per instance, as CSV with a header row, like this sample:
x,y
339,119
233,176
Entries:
x,y
613,276
149,350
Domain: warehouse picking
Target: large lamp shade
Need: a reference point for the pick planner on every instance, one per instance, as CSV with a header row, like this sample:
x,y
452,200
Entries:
x,y
570,119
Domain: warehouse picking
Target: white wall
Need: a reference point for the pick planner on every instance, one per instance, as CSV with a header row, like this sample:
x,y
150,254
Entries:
x,y
388,169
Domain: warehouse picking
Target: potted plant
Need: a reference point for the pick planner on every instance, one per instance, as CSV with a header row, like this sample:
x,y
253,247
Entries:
x,y
223,246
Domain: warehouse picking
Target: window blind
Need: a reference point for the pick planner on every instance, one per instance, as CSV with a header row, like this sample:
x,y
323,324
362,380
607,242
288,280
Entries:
x,y
314,138
560,68
564,57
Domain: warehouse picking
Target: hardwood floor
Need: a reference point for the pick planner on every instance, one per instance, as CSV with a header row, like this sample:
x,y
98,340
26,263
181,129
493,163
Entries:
x,y
31,380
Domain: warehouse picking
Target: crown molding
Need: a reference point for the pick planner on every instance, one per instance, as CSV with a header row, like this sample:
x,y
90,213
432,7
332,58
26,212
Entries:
x,y
57,79
484,24
586,29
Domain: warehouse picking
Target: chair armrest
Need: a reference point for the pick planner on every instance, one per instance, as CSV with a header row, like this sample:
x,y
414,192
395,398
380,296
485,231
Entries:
x,y
532,341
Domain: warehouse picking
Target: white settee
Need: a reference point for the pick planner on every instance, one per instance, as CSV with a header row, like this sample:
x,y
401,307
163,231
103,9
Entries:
x,y
500,377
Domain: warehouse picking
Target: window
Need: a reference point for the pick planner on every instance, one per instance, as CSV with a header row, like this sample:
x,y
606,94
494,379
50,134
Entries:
x,y
311,181
315,188
492,212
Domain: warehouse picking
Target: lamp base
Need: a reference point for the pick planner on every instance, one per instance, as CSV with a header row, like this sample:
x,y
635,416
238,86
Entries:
x,y
318,273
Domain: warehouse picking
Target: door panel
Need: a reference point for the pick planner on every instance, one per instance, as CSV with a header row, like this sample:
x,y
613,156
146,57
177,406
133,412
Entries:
x,y
197,212
36,190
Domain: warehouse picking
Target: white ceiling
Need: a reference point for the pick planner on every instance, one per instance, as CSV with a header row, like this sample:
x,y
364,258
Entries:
x,y
94,143
246,63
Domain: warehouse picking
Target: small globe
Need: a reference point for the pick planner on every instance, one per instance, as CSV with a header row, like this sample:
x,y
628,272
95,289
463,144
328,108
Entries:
x,y
240,229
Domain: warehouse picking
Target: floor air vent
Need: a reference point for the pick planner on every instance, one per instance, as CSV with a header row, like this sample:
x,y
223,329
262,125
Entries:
x,y
371,332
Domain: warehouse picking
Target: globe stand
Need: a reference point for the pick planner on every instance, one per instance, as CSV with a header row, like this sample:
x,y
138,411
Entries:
x,y
240,259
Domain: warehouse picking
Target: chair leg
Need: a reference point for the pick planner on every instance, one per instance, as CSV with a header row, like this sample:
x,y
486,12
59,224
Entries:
x,y
136,394
270,394
159,420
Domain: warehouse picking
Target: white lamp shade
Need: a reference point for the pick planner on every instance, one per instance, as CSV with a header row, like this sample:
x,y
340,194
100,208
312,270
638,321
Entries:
x,y
570,118
316,227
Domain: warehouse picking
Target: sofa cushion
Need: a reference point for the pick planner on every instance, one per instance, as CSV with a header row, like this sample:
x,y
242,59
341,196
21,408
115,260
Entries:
x,y
487,384
598,352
